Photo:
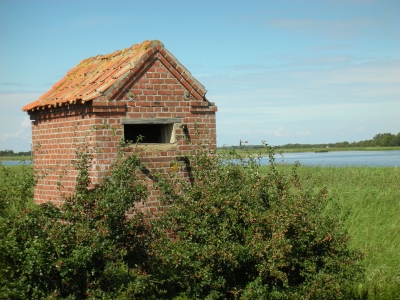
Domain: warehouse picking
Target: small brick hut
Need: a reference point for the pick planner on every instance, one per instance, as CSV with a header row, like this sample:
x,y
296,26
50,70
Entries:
x,y
142,90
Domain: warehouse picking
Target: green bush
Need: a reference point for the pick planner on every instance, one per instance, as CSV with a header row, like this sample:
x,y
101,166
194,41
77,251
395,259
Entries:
x,y
228,233
234,233
85,249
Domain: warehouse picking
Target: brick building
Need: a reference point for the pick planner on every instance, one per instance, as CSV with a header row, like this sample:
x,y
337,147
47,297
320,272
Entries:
x,y
142,90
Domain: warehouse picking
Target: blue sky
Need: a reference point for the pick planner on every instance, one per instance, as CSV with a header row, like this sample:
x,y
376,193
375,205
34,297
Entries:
x,y
279,71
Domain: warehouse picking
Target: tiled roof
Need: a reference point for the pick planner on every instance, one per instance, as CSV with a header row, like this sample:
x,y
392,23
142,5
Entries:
x,y
92,76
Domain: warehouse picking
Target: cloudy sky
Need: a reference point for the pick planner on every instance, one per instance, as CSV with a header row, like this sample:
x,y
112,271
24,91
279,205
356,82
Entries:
x,y
279,71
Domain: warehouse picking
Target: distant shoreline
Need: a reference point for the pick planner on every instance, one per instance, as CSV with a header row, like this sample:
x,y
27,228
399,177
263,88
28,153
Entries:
x,y
15,157
249,149
300,150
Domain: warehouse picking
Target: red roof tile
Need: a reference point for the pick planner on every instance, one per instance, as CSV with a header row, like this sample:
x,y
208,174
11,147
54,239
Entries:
x,y
92,76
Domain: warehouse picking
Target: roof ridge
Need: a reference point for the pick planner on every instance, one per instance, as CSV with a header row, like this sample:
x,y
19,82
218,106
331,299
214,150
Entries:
x,y
99,75
145,45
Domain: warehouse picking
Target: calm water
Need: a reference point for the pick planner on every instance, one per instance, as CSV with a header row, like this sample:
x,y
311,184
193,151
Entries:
x,y
14,162
343,158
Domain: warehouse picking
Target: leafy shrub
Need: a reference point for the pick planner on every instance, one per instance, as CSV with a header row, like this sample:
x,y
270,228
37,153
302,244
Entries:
x,y
85,249
234,233
228,233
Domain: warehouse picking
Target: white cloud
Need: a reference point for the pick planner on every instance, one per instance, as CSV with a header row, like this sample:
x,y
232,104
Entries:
x,y
304,133
339,28
25,123
296,104
324,24
23,132
15,126
14,101
281,132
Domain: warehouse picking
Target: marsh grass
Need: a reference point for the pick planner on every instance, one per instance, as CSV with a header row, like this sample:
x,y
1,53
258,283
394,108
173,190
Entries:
x,y
370,197
15,157
14,170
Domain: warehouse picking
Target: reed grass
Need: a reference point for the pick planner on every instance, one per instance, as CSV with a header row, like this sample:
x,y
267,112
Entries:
x,y
16,157
14,170
370,197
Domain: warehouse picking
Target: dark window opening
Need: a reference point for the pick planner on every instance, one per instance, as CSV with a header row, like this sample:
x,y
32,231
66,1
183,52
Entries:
x,y
148,133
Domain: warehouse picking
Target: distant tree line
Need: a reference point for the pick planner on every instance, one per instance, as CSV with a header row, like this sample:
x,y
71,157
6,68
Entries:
x,y
12,153
379,140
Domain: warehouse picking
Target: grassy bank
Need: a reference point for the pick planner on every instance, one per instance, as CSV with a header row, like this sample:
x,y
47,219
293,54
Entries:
x,y
15,157
288,150
371,198
297,150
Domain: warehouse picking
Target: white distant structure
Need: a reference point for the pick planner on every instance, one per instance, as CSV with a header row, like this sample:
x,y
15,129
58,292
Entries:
x,y
244,142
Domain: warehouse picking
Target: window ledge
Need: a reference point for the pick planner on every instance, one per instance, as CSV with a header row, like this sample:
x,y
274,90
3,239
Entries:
x,y
156,146
151,121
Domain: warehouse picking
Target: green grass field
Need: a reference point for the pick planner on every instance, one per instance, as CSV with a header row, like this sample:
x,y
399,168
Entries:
x,y
15,157
12,169
371,197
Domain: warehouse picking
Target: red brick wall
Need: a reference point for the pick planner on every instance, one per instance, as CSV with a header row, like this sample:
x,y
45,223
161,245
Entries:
x,y
157,92
54,143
